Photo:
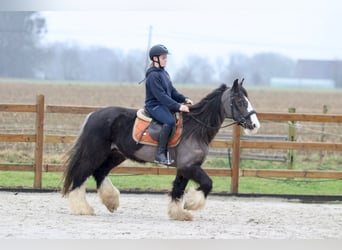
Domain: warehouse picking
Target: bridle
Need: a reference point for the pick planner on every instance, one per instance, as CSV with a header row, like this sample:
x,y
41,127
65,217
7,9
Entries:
x,y
211,127
242,120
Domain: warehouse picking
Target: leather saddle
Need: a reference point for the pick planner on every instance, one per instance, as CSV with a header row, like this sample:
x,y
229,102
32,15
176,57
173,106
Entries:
x,y
146,130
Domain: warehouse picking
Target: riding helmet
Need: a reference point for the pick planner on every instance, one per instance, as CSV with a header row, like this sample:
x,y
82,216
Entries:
x,y
158,50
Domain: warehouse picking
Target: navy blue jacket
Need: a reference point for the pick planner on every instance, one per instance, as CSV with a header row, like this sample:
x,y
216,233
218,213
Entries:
x,y
160,91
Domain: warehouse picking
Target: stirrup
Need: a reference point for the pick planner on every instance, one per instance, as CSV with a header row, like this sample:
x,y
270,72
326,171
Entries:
x,y
167,161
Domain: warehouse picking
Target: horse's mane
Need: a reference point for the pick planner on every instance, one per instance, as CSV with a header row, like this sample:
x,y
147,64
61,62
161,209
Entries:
x,y
210,112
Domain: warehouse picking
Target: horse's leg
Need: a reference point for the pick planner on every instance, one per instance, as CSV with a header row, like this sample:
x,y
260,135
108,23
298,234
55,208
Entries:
x,y
77,201
195,199
79,174
108,193
176,207
77,196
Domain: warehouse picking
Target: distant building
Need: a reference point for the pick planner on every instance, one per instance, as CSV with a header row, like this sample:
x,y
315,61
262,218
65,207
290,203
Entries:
x,y
320,69
305,83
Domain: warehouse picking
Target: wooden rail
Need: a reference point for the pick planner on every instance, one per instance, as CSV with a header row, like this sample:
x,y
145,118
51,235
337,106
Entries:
x,y
236,143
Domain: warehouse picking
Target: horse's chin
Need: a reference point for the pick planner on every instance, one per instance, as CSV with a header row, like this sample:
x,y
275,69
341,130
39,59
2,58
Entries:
x,y
251,131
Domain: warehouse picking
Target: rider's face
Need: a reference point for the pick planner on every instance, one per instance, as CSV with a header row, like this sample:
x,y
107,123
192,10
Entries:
x,y
163,60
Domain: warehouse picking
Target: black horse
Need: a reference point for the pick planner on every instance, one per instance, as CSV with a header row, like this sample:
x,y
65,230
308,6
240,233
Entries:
x,y
106,140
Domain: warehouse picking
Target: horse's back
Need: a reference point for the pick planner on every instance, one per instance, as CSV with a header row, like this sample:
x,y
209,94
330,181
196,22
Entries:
x,y
110,114
104,119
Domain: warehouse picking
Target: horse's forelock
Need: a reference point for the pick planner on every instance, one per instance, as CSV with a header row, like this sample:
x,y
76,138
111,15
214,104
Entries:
x,y
240,90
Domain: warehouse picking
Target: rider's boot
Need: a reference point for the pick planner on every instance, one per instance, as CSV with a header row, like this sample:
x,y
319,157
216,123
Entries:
x,y
161,156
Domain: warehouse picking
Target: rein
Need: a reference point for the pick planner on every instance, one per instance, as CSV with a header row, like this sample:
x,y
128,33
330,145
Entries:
x,y
241,121
211,127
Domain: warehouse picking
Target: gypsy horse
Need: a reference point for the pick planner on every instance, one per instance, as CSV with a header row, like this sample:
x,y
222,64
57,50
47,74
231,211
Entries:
x,y
105,141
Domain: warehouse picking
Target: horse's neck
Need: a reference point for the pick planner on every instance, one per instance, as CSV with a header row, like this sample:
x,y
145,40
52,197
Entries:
x,y
213,129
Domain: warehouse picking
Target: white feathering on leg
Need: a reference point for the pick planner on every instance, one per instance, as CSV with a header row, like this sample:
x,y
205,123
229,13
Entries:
x,y
194,199
78,203
177,212
109,195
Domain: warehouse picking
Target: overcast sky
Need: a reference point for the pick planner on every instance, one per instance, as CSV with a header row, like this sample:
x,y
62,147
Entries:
x,y
298,29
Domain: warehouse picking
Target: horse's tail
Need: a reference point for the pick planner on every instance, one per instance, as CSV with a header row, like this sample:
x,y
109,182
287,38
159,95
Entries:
x,y
72,163
70,166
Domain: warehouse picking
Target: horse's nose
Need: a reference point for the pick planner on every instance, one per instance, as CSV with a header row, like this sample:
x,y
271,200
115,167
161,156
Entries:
x,y
254,125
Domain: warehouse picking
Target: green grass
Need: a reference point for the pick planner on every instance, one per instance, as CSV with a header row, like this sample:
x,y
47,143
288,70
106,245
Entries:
x,y
221,184
164,183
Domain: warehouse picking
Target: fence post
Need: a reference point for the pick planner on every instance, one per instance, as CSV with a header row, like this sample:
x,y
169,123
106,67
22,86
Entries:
x,y
39,146
321,153
291,137
235,159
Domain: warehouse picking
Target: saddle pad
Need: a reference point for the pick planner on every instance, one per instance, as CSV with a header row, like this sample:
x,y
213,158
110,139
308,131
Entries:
x,y
143,116
141,135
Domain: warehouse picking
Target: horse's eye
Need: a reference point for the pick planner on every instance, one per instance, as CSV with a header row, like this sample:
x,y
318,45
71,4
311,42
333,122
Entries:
x,y
242,103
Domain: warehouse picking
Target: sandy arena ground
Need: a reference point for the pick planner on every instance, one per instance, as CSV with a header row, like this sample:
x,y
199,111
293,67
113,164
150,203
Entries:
x,y
144,216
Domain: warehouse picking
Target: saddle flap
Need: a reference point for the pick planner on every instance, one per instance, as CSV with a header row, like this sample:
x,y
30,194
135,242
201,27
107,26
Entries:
x,y
147,132
154,129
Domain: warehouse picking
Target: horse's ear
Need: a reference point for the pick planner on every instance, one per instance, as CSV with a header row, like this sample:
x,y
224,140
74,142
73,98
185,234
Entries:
x,y
236,84
242,81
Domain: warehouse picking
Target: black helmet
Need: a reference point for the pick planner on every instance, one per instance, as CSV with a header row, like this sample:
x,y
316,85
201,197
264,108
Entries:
x,y
158,50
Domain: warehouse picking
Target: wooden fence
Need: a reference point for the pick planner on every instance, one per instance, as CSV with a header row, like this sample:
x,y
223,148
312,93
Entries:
x,y
236,144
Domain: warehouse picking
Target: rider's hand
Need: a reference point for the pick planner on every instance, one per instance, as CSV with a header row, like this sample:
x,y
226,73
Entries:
x,y
183,108
189,101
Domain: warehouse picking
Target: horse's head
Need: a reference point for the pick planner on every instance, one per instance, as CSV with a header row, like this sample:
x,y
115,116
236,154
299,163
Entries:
x,y
238,107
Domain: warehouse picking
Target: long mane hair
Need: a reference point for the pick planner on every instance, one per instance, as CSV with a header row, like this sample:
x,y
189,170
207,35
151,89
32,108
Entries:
x,y
209,112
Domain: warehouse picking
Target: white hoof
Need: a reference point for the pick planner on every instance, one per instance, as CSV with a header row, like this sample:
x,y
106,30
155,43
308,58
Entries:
x,y
81,210
194,199
177,212
109,195
78,203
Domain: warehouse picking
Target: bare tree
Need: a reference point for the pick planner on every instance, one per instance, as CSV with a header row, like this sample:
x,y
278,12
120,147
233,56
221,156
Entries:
x,y
264,66
196,69
20,33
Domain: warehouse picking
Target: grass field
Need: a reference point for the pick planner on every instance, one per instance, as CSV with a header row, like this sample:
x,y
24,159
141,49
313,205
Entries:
x,y
164,182
263,100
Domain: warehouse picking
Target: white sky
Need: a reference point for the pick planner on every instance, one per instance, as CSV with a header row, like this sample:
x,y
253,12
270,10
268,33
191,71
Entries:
x,y
299,29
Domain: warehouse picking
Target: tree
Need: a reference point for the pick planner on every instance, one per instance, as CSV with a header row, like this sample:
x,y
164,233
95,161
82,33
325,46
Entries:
x,y
197,69
264,66
237,68
20,33
72,65
134,66
257,70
